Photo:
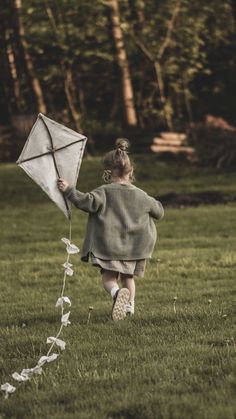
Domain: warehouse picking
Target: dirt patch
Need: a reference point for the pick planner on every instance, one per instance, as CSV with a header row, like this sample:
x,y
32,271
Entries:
x,y
175,200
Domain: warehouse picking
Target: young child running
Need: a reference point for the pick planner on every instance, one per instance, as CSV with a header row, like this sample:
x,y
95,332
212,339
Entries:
x,y
121,232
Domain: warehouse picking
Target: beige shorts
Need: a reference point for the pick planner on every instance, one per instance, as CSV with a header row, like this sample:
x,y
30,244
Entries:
x,y
128,267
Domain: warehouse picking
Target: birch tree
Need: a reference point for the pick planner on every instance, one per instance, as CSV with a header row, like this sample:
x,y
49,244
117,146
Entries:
x,y
122,59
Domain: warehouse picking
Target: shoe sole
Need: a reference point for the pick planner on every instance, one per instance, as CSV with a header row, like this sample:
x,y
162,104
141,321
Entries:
x,y
119,308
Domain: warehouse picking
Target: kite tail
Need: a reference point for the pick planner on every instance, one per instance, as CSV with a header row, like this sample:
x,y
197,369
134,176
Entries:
x,y
63,300
63,285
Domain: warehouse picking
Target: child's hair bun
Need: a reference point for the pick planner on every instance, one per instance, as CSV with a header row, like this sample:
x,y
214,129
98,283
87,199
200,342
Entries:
x,y
122,144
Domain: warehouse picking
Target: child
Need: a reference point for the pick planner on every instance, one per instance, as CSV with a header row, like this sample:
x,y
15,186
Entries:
x,y
121,232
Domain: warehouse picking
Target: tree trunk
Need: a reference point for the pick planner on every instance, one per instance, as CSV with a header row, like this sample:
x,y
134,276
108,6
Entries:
x,y
70,96
6,106
187,100
140,5
69,84
157,59
36,87
128,95
14,76
160,82
9,69
233,7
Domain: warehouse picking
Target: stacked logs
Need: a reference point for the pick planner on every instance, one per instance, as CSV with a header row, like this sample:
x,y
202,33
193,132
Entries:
x,y
174,143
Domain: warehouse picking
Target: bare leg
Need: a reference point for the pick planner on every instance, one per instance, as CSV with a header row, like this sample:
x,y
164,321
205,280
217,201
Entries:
x,y
109,280
128,282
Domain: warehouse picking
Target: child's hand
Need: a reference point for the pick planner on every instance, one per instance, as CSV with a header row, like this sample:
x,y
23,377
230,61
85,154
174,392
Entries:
x,y
62,184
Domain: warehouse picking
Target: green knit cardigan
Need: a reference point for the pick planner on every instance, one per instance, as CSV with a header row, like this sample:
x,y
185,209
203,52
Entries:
x,y
120,223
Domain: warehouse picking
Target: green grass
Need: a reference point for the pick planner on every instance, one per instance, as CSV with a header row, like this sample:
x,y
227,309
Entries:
x,y
159,364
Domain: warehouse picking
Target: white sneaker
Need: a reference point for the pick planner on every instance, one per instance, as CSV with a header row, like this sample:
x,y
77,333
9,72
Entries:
x,y
130,308
120,303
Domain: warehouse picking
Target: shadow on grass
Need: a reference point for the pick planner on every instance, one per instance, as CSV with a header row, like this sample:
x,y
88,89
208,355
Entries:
x,y
195,199
132,412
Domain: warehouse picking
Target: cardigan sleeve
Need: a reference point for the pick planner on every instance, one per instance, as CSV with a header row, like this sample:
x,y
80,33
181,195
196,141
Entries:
x,y
88,202
156,209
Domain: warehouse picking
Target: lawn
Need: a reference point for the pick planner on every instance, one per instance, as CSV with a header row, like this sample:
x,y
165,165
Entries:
x,y
175,358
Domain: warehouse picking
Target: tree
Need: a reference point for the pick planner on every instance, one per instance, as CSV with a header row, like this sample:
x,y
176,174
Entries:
x,y
156,56
69,85
175,63
128,95
20,32
9,68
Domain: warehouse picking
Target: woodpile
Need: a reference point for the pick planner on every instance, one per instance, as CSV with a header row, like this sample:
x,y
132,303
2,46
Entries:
x,y
215,142
174,143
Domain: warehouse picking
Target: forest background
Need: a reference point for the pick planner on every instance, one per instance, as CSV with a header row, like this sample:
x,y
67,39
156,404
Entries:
x,y
112,68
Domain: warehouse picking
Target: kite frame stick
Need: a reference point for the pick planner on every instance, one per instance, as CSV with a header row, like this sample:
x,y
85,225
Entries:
x,y
56,168
51,151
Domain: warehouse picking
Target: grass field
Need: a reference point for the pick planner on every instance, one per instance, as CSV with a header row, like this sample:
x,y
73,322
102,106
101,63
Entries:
x,y
158,364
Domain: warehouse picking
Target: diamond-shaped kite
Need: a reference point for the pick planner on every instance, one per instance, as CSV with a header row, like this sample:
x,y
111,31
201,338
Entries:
x,y
52,151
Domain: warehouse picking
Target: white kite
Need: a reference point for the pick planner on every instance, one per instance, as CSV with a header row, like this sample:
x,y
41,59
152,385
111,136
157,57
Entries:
x,y
50,152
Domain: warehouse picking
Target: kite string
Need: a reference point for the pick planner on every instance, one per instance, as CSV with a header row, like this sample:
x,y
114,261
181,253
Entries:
x,y
53,343
70,225
64,281
67,261
62,292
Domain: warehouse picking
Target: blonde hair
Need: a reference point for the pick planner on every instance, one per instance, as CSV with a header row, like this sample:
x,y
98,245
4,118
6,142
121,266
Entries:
x,y
117,163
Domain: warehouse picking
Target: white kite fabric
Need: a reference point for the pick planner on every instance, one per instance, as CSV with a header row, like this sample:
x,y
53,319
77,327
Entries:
x,y
52,151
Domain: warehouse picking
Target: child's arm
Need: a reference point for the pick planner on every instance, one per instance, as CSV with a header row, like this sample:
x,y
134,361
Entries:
x,y
89,202
156,209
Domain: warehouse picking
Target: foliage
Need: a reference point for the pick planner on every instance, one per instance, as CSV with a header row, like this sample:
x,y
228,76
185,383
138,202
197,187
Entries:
x,y
198,33
78,35
215,146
